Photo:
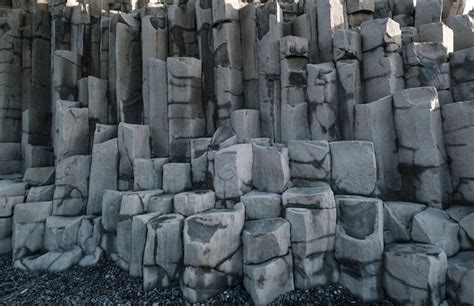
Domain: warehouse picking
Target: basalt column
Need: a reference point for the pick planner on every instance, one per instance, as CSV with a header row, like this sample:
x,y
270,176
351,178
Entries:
x,y
228,82
270,31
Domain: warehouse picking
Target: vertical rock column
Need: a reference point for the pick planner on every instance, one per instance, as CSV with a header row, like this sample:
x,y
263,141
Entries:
x,y
269,33
212,253
206,54
158,112
462,63
426,64
182,29
268,265
185,111
248,31
323,103
154,40
330,16
374,122
347,52
294,105
36,86
228,84
359,245
10,88
359,11
306,26
311,212
382,64
422,156
458,134
128,69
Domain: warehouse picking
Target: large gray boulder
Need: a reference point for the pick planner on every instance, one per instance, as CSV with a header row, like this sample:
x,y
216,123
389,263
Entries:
x,y
415,274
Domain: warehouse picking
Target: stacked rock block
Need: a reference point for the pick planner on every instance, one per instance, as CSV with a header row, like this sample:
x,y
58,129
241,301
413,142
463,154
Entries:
x,y
276,144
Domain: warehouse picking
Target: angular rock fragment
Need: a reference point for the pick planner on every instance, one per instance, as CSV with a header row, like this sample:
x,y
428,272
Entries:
x,y
398,218
428,11
433,226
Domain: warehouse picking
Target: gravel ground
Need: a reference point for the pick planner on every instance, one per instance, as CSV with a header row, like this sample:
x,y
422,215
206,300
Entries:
x,y
106,283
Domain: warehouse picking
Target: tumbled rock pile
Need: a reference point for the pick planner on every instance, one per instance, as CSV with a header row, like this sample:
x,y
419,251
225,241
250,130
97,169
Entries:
x,y
276,145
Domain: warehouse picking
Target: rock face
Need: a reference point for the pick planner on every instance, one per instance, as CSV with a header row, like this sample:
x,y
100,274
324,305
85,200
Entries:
x,y
428,285
282,144
359,245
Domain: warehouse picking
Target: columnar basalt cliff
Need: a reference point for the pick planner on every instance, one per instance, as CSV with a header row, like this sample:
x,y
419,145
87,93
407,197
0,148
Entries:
x,y
276,144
